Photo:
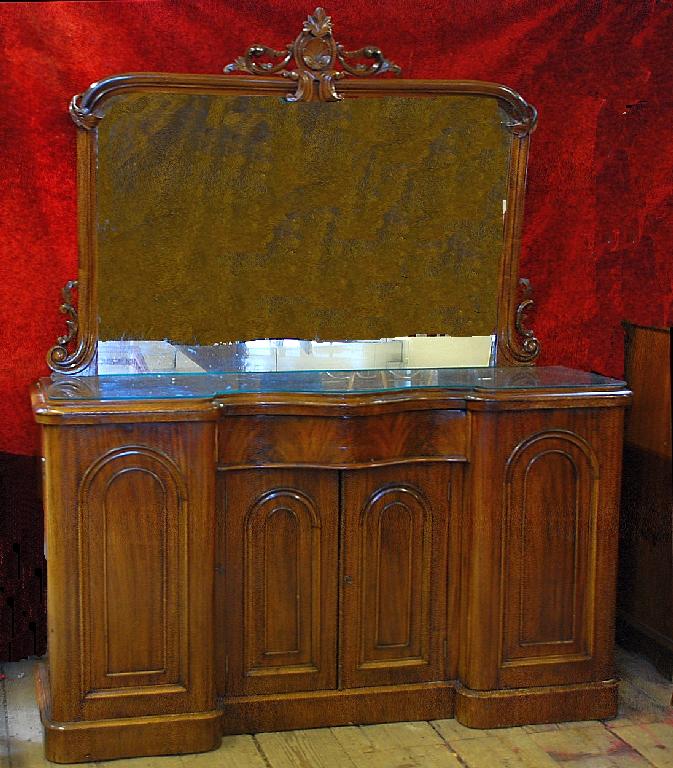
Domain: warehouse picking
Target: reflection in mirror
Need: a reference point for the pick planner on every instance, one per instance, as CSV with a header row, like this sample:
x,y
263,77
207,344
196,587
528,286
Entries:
x,y
130,357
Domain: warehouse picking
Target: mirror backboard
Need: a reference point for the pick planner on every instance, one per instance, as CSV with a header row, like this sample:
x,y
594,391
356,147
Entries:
x,y
216,212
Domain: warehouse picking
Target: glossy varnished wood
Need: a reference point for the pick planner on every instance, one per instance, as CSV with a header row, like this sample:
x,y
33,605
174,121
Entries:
x,y
549,704
513,539
382,704
138,736
347,441
642,735
129,515
280,563
90,107
469,545
250,560
394,573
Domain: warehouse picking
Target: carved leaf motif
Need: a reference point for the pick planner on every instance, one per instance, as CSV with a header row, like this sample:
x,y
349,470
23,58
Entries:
x,y
361,69
317,54
239,64
319,24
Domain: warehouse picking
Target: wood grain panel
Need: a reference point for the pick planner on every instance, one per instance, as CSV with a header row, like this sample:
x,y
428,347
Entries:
x,y
278,595
135,546
395,557
133,537
548,704
397,531
282,566
320,709
342,442
509,508
549,548
394,582
112,469
646,523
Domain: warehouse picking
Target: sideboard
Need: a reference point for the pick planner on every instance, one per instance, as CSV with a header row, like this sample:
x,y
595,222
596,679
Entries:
x,y
241,552
332,488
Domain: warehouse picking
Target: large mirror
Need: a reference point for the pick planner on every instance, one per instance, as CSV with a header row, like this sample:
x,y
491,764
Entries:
x,y
226,227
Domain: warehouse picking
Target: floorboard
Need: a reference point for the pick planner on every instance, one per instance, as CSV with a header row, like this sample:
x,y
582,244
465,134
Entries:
x,y
640,736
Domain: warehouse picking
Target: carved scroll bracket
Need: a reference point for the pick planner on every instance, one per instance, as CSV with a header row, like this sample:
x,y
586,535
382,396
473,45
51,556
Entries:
x,y
60,357
529,343
315,53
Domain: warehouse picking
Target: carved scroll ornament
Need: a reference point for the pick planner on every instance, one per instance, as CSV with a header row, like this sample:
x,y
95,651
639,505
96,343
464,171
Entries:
x,y
315,53
60,352
529,342
82,117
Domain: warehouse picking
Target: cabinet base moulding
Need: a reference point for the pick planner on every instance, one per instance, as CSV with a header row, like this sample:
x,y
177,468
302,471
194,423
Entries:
x,y
355,706
525,706
82,741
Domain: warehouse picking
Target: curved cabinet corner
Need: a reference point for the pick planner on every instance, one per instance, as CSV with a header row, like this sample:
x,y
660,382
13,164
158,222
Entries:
x,y
549,550
129,519
540,549
133,510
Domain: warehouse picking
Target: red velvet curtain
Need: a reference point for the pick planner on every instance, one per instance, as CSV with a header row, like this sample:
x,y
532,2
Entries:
x,y
598,235
598,232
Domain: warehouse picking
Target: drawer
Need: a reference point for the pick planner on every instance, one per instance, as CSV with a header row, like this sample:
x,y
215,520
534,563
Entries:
x,y
342,441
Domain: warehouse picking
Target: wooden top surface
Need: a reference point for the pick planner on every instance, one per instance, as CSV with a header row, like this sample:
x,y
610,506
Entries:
x,y
166,397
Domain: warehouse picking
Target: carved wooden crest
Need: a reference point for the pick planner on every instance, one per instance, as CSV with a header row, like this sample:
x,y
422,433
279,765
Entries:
x,y
316,54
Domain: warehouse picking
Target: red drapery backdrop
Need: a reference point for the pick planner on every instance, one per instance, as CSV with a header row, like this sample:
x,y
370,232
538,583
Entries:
x,y
598,236
598,233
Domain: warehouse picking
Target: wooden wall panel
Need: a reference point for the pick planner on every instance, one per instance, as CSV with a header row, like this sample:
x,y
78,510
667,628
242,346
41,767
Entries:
x,y
645,591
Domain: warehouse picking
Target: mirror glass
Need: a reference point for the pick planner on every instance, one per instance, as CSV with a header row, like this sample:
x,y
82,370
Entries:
x,y
226,219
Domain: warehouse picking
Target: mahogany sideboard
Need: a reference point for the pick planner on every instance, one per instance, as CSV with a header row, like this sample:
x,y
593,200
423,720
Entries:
x,y
249,548
250,552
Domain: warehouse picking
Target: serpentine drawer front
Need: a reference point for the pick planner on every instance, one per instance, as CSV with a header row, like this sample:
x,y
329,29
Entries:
x,y
351,440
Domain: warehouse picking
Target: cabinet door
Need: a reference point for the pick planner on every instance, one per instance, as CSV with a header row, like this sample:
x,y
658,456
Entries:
x,y
130,513
278,592
394,574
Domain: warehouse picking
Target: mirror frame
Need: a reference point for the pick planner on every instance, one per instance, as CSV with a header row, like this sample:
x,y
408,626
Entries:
x,y
316,56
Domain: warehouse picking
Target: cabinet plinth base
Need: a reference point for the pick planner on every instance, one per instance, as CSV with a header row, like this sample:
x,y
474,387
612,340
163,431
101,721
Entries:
x,y
355,706
82,741
525,706
426,701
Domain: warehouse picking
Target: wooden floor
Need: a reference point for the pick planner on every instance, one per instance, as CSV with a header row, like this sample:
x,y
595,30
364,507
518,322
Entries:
x,y
642,735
